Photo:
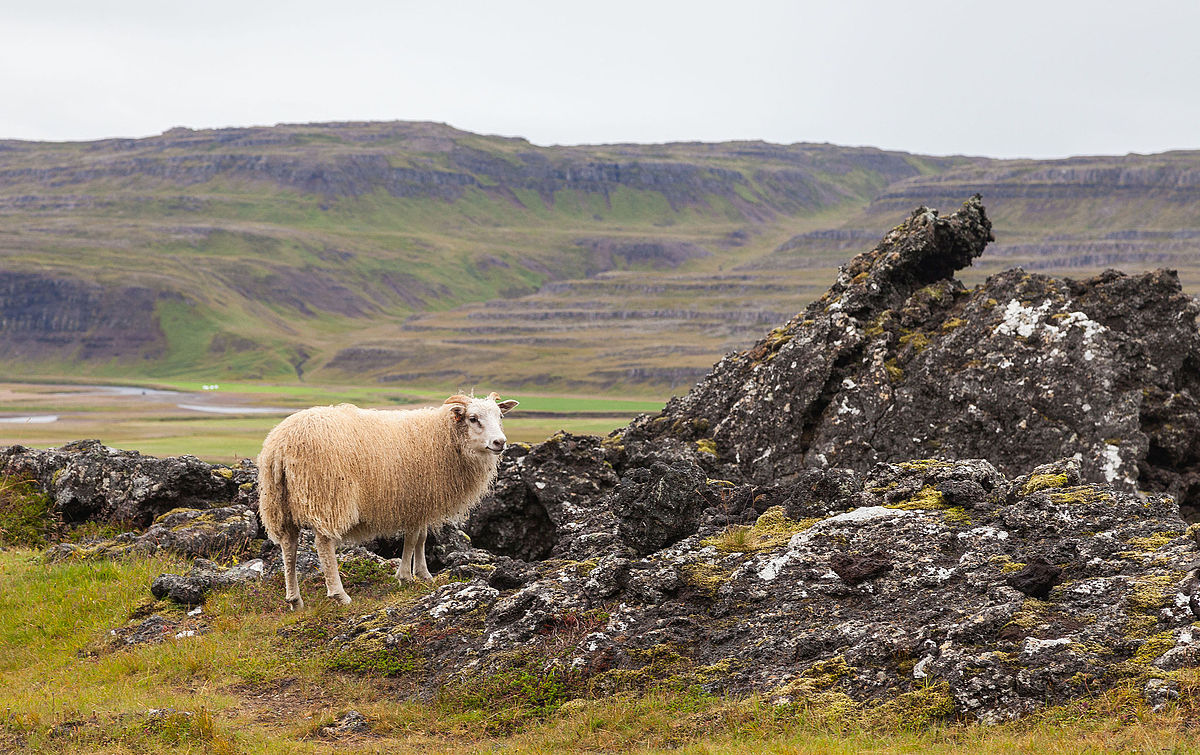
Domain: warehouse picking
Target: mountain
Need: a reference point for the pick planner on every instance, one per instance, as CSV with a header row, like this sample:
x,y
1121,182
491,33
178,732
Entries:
x,y
416,253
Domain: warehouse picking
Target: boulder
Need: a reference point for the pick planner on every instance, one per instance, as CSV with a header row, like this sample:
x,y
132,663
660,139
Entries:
x,y
898,360
221,533
90,481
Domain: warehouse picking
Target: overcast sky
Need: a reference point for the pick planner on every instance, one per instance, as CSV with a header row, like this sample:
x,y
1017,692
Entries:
x,y
1004,78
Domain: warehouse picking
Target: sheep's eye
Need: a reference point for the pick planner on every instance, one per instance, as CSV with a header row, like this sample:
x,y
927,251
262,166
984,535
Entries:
x,y
475,420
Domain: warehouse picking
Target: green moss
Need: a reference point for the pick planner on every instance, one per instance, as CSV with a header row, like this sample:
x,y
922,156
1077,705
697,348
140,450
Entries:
x,y
659,667
362,572
1193,532
894,371
773,529
707,446
26,518
1150,544
1080,495
957,515
1153,648
1090,647
1043,481
225,472
923,465
517,689
929,497
774,341
1031,613
826,673
705,577
1005,564
916,340
952,323
1152,593
718,673
916,710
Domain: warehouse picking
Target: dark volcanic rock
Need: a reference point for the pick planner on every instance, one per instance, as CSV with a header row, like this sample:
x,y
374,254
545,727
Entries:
x,y
549,500
90,481
898,361
203,578
1036,579
854,569
660,505
911,490
925,600
213,533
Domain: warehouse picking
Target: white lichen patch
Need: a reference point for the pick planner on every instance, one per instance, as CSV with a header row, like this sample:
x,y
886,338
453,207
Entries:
x,y
464,601
1033,645
1023,321
1110,461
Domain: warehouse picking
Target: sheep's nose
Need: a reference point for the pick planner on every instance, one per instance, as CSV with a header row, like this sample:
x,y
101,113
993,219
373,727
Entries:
x,y
498,444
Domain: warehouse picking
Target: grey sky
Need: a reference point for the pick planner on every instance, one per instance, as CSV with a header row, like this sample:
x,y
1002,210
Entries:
x,y
1007,79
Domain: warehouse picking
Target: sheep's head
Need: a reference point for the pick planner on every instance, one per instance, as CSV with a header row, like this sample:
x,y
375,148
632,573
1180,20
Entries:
x,y
481,421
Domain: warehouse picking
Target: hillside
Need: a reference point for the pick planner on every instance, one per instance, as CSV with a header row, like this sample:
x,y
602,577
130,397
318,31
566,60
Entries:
x,y
418,254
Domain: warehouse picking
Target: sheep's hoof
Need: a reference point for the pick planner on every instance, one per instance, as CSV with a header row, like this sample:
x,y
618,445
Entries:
x,y
295,604
424,576
342,598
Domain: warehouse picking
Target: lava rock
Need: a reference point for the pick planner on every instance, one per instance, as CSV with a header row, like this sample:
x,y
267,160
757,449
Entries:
x,y
204,577
1036,578
899,361
660,505
89,481
855,569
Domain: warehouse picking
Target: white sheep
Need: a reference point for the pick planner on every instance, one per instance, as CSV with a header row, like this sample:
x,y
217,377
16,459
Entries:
x,y
352,474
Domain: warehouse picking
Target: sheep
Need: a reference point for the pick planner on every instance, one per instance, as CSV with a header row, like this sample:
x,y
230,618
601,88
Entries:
x,y
352,474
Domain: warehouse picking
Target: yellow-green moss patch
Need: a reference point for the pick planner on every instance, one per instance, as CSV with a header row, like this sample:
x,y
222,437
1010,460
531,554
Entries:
x,y
772,529
1044,481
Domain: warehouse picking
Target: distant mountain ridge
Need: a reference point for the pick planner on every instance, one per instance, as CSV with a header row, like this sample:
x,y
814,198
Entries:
x,y
390,251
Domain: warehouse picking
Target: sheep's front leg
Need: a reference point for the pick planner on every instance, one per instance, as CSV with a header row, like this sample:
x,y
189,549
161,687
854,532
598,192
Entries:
x,y
419,568
329,566
289,541
405,571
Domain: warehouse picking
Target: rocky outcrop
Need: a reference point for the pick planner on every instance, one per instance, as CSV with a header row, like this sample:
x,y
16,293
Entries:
x,y
222,533
90,481
919,578
898,361
43,314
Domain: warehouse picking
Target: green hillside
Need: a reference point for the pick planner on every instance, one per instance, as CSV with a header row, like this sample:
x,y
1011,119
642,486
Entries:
x,y
415,254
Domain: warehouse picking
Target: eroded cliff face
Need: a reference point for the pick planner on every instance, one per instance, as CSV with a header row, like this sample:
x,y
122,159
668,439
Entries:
x,y
44,315
899,360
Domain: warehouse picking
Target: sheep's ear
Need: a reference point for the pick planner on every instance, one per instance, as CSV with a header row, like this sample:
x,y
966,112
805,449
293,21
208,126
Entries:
x,y
458,405
507,406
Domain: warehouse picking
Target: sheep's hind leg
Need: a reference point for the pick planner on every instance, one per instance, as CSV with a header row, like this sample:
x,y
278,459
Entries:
x,y
419,568
289,541
329,566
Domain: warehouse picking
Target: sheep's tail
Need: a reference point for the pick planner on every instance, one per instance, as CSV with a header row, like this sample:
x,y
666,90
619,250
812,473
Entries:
x,y
273,510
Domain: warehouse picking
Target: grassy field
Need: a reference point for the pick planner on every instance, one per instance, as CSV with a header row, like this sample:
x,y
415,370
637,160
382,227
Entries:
x,y
244,687
169,419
